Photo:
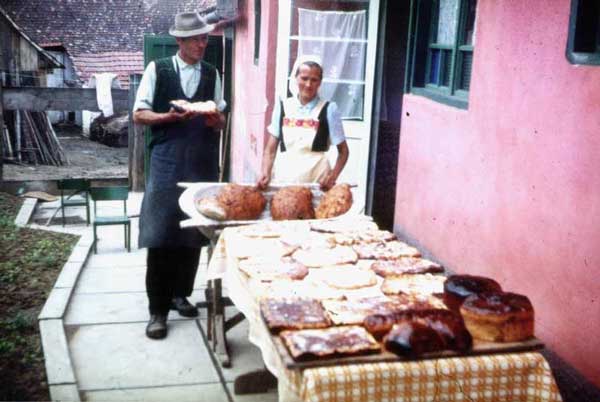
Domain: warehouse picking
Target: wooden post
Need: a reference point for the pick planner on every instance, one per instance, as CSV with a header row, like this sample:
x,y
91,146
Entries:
x,y
136,140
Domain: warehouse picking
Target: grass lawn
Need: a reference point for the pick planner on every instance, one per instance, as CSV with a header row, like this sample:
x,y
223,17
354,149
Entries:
x,y
30,261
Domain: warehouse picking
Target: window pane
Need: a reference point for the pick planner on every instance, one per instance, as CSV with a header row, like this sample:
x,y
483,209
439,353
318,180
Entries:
x,y
470,22
587,32
434,67
447,21
465,74
349,98
446,71
337,32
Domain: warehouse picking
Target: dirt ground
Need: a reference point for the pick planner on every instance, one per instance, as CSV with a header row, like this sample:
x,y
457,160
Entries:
x,y
87,159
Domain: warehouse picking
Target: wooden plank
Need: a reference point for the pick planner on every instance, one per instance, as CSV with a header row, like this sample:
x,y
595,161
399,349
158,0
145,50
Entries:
x,y
68,99
479,348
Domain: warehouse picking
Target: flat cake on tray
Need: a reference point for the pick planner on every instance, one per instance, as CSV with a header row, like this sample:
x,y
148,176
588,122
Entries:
x,y
320,343
293,313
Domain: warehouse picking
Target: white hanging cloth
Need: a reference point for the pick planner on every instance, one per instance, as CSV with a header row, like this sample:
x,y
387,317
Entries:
x,y
343,58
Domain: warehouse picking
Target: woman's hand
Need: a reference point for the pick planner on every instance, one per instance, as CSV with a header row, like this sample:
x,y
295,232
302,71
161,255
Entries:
x,y
215,120
263,181
328,181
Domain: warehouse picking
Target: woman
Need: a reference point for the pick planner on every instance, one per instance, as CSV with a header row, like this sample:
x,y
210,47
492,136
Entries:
x,y
304,126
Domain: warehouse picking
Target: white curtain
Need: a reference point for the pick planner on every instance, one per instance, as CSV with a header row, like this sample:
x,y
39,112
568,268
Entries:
x,y
340,39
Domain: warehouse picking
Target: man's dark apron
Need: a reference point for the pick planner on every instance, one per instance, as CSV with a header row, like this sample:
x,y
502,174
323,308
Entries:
x,y
190,154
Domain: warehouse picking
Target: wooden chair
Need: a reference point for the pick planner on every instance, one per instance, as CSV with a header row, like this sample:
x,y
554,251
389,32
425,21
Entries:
x,y
115,193
72,187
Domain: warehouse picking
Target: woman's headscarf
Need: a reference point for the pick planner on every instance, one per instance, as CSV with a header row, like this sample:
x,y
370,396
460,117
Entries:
x,y
293,85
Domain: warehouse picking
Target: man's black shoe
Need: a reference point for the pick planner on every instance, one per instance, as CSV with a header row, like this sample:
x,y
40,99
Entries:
x,y
184,307
157,326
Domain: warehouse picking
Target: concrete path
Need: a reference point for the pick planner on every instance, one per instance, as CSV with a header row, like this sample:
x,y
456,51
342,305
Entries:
x,y
104,322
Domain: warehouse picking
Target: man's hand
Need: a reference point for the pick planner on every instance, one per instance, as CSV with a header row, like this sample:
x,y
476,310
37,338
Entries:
x,y
263,181
181,116
215,120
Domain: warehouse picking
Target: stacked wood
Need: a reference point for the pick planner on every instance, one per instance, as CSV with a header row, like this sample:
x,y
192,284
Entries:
x,y
35,141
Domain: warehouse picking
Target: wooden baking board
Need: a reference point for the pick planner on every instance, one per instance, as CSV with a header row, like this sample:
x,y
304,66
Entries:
x,y
196,191
479,348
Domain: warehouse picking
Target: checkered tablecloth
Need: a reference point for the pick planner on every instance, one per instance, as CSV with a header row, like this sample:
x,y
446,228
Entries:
x,y
501,377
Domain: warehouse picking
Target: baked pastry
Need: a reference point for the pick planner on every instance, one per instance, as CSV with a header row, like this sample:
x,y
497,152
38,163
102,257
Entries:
x,y
293,313
405,265
423,284
428,331
234,202
345,277
293,202
458,287
343,225
259,248
355,237
320,257
334,202
270,269
182,105
319,343
354,311
390,250
498,316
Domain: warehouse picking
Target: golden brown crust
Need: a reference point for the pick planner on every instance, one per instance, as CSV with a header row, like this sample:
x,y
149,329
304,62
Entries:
x,y
458,287
354,311
293,313
320,257
315,343
293,202
390,250
271,269
335,202
241,202
423,284
405,265
498,316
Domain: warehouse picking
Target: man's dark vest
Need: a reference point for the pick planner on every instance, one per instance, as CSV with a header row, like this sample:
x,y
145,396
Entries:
x,y
168,88
321,141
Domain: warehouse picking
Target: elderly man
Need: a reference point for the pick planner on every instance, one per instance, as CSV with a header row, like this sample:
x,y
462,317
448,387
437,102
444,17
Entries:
x,y
184,148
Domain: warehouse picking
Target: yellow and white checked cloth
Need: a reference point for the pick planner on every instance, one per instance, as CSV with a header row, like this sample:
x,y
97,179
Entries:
x,y
510,377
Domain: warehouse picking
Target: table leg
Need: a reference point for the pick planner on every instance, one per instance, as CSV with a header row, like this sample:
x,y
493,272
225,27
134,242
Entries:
x,y
220,341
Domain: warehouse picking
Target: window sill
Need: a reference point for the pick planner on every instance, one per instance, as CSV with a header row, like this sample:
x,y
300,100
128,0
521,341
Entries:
x,y
584,58
455,101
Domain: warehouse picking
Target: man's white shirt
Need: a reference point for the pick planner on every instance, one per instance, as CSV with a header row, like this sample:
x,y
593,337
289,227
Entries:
x,y
189,75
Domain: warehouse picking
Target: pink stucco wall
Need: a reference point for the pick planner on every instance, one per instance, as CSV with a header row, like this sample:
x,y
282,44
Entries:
x,y
253,89
510,188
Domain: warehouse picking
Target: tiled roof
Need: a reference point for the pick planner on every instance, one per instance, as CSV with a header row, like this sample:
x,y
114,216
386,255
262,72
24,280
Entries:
x,y
120,63
99,34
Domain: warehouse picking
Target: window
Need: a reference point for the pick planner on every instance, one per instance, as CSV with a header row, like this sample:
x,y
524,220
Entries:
x,y
337,32
583,45
257,15
441,50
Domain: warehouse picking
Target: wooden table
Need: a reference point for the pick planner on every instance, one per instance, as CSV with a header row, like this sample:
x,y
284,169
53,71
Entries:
x,y
501,377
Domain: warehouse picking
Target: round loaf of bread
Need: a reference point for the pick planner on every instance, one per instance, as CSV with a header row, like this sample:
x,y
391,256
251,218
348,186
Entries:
x,y
458,287
498,316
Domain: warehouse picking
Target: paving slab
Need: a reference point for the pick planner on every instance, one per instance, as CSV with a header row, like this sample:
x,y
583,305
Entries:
x,y
118,356
181,393
119,280
245,357
103,308
118,259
